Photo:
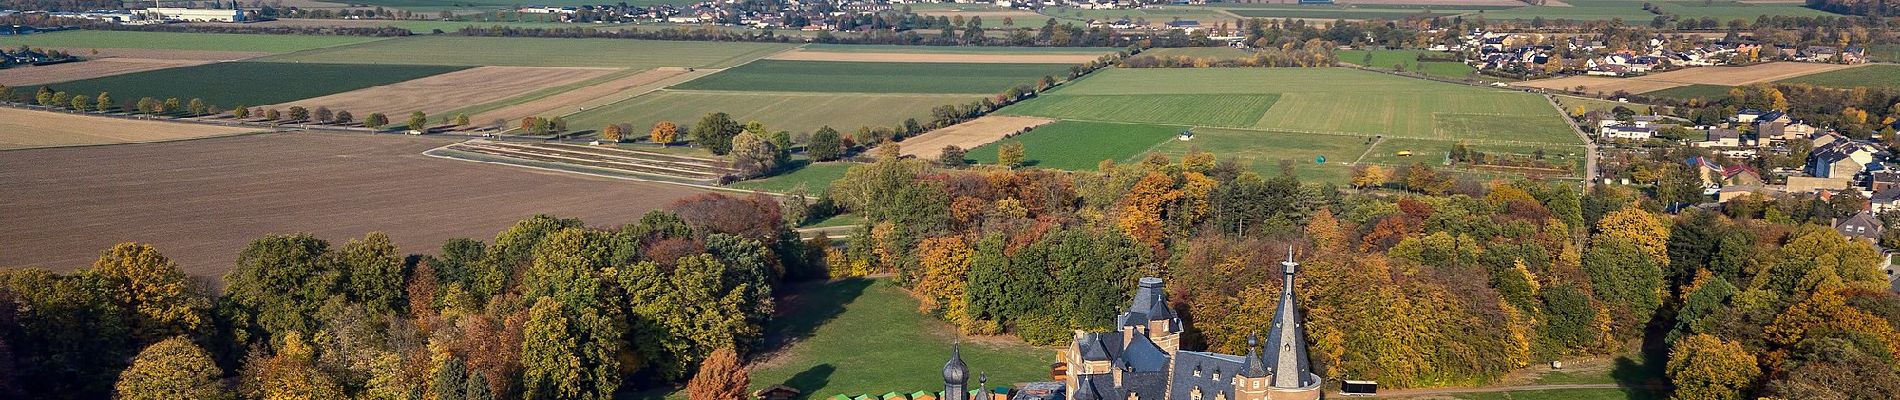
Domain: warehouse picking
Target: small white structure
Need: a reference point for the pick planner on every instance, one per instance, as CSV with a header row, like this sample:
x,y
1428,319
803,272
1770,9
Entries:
x,y
177,14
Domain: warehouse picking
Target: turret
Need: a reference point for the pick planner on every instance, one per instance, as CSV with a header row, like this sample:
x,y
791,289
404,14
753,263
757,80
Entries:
x,y
955,375
1286,342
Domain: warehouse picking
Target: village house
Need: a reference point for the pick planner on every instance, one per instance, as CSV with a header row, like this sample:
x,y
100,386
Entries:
x,y
1839,158
1862,225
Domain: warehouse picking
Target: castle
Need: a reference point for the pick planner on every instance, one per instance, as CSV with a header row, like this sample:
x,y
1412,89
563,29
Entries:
x,y
1143,360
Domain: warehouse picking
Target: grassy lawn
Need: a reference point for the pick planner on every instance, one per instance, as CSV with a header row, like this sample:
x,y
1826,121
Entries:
x,y
875,77
250,83
795,112
1230,110
84,39
814,178
1408,58
1056,145
893,48
1571,103
1871,76
859,336
1704,91
541,52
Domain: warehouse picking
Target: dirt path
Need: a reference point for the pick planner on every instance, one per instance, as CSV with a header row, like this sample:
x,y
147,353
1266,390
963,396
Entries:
x,y
1589,146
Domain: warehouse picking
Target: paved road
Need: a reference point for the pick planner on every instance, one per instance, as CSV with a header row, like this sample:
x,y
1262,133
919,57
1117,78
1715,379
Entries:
x,y
1589,147
1450,391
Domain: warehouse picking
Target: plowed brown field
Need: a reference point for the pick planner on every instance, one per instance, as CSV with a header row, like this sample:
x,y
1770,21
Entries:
x,y
968,135
26,76
589,96
201,201
21,129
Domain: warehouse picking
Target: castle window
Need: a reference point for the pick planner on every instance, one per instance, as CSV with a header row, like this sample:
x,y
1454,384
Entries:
x,y
1194,394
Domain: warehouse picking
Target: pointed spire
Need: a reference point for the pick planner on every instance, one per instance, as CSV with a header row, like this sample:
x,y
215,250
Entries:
x,y
1255,366
955,374
1286,343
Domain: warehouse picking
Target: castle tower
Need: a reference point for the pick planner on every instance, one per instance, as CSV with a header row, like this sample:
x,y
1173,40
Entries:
x,y
955,375
1293,377
1255,374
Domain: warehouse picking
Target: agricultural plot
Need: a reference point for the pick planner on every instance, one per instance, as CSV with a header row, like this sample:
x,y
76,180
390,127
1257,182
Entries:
x,y
1571,104
916,57
562,100
250,83
892,48
795,112
874,77
23,76
1705,92
540,52
1632,10
1330,13
1724,76
82,40
1407,59
1075,145
440,5
1348,102
436,94
1301,151
334,186
968,134
1870,76
812,177
1215,53
1238,110
598,160
1155,15
20,129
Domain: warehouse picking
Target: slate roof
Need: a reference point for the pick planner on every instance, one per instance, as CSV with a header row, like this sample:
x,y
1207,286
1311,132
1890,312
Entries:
x,y
1286,342
1209,373
1150,304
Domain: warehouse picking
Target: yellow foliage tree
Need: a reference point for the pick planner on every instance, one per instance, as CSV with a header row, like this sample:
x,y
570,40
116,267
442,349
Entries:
x,y
664,133
1641,228
1369,176
1704,367
1325,232
1141,208
945,262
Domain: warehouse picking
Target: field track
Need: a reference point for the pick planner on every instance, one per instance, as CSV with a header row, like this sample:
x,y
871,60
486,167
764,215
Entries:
x,y
1725,76
593,95
815,55
65,205
21,129
24,76
968,135
438,93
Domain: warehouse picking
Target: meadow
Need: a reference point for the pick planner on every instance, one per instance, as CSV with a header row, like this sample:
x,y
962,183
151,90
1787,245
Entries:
x,y
874,77
1300,151
1342,13
540,52
858,336
1386,59
813,178
86,39
1348,102
1056,145
1217,53
249,83
1871,76
1235,110
1703,91
795,112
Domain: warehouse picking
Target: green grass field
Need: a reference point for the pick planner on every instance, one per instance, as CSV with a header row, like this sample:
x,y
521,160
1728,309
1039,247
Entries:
x,y
795,112
1409,58
892,48
858,336
1871,76
1301,150
1056,145
83,39
1706,92
1571,394
874,77
540,52
1155,14
815,177
1235,110
1313,100
250,83
1588,104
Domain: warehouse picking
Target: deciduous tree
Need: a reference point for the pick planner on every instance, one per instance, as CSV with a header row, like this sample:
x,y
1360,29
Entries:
x,y
826,145
715,132
721,377
664,133
753,155
171,369
1010,154
1705,367
143,281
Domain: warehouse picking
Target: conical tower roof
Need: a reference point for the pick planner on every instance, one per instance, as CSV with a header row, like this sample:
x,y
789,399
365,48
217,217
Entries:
x,y
1286,341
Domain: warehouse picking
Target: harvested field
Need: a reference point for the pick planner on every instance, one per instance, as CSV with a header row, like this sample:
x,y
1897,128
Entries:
x,y
795,112
439,93
90,39
223,193
23,76
969,134
1494,3
541,52
594,159
591,96
804,55
21,129
1725,76
155,54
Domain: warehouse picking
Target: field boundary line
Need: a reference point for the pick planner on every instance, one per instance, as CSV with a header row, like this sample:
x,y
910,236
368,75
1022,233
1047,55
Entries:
x,y
1362,155
822,94
433,153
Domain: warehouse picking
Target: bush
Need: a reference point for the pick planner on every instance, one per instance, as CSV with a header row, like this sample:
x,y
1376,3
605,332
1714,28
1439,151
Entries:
x,y
1041,330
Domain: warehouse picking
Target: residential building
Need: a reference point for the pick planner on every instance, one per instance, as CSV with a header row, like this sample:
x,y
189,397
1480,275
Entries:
x,y
1862,225
1840,158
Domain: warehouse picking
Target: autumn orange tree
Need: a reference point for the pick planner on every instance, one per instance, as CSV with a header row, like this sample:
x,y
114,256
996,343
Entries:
x,y
664,133
721,377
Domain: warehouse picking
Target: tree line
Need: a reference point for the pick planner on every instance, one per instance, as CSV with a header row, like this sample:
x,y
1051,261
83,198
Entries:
x,y
1451,281
548,309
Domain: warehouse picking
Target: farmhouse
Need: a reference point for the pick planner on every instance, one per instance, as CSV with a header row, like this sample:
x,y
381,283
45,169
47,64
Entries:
x,y
233,14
